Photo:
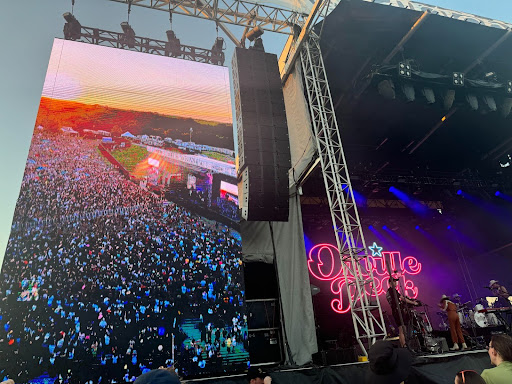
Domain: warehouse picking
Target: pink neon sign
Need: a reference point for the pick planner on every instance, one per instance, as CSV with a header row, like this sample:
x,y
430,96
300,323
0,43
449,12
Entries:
x,y
324,264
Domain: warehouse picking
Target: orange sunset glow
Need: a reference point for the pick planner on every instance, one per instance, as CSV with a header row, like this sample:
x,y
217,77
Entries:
x,y
121,79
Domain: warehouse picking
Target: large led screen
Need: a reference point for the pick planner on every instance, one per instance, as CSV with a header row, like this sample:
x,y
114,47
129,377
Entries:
x,y
123,254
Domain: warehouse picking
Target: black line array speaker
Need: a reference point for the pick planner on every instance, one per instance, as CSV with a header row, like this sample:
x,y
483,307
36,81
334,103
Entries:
x,y
263,143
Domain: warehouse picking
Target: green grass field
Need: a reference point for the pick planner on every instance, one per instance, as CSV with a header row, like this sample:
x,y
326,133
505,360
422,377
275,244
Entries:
x,y
219,156
130,157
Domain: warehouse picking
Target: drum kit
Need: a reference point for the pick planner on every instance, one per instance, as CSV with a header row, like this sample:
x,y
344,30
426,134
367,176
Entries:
x,y
472,316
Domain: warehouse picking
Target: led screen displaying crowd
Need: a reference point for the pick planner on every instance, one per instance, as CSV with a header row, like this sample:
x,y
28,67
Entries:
x,y
102,280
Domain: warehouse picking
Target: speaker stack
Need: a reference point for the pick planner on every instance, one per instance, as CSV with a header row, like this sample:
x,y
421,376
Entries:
x,y
263,315
263,143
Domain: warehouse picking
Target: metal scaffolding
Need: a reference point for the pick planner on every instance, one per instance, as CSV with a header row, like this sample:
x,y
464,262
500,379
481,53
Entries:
x,y
361,288
148,45
234,12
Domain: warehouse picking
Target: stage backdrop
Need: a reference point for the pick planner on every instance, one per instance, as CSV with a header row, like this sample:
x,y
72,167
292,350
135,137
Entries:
x,y
122,255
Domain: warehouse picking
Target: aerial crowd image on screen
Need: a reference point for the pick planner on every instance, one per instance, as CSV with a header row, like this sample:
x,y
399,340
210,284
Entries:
x,y
124,254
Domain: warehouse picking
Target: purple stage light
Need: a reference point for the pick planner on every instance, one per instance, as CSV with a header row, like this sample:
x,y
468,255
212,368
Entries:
x,y
384,227
392,189
449,227
370,226
497,193
459,192
417,227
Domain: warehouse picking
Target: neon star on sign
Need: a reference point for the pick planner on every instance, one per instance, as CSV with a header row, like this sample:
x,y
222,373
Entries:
x,y
324,264
375,249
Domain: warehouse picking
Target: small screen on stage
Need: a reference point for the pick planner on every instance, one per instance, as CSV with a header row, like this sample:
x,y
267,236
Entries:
x,y
124,254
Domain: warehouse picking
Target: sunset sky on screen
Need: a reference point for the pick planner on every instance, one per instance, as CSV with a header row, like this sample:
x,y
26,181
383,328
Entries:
x,y
128,80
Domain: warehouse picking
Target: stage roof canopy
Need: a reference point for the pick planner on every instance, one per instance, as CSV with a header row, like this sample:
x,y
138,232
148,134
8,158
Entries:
x,y
388,130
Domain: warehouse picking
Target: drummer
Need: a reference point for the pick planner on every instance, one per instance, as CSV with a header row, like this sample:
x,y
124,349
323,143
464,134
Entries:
x,y
453,319
500,291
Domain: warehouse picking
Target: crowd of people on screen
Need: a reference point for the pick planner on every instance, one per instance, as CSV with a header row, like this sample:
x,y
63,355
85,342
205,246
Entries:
x,y
112,291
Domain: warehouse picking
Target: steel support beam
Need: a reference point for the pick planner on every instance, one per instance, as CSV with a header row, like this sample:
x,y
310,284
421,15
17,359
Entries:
x,y
146,45
361,289
234,12
487,52
417,24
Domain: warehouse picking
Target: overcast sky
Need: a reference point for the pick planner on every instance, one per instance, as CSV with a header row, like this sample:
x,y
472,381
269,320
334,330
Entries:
x,y
28,29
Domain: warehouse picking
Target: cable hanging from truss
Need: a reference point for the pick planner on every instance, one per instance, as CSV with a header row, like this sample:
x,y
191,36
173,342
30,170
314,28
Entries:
x,y
130,9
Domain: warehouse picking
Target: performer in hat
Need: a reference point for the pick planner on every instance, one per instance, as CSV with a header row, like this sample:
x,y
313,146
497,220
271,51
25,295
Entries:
x,y
398,304
453,320
500,291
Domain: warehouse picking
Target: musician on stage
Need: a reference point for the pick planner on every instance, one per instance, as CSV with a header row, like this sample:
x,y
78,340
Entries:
x,y
453,320
500,291
398,303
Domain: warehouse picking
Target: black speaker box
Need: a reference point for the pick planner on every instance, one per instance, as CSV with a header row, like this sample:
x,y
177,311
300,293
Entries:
x,y
265,346
263,142
263,314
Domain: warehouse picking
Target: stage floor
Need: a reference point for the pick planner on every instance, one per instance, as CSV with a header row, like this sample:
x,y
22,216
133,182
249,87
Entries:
x,y
427,369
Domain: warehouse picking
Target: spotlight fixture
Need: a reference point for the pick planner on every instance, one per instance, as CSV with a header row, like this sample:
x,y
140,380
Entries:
x,y
459,192
509,86
173,46
72,28
429,95
472,101
458,79
491,104
254,33
506,106
448,99
129,34
408,91
258,45
217,56
387,89
449,227
497,193
404,69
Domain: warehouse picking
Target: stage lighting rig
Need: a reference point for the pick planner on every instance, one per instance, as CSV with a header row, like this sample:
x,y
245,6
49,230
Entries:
x,y
458,79
448,99
217,53
404,69
509,86
72,28
472,101
408,91
129,34
258,45
254,33
387,89
429,95
490,103
173,46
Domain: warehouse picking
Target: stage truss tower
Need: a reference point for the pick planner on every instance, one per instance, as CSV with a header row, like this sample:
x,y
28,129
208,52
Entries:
x,y
357,272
